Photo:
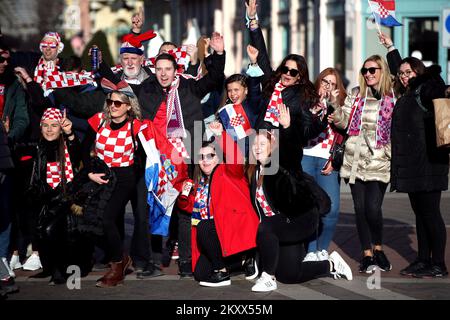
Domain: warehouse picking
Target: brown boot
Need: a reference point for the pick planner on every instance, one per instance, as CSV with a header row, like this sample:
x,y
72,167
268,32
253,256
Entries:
x,y
113,277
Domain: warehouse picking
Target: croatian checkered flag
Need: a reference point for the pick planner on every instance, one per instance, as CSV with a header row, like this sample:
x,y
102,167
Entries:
x,y
235,120
164,174
384,12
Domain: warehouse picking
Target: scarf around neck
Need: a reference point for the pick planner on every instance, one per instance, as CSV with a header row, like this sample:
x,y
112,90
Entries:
x,y
273,111
384,118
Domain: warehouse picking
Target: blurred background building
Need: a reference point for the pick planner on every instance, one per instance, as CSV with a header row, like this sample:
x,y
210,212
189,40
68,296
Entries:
x,y
327,32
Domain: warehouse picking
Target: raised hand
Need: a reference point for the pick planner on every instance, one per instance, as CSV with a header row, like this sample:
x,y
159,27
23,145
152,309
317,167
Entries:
x,y
252,53
137,21
217,43
22,73
192,50
285,117
66,124
216,127
251,8
333,97
385,40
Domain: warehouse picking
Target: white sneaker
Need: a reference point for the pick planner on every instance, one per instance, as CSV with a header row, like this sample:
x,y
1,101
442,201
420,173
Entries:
x,y
11,273
322,255
310,257
33,263
340,267
265,283
14,263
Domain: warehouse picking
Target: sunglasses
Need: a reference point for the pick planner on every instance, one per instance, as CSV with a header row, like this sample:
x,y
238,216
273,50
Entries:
x,y
117,103
371,70
3,59
49,44
206,156
291,72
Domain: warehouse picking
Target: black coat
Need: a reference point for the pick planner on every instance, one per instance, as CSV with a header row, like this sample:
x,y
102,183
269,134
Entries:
x,y
417,164
5,153
297,205
294,97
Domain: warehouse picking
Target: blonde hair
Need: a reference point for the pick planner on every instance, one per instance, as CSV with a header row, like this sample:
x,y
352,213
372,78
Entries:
x,y
385,84
133,113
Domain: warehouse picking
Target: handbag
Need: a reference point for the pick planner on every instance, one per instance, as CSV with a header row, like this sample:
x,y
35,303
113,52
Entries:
x,y
441,118
337,151
442,122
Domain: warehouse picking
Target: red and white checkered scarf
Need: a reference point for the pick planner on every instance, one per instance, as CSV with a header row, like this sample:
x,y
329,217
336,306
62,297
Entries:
x,y
54,170
48,76
273,111
263,202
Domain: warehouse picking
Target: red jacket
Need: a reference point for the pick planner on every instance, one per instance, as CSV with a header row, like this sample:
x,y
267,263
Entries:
x,y
235,219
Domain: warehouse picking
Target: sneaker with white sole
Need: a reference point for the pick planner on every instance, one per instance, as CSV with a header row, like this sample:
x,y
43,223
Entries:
x,y
340,267
251,268
265,283
33,263
322,255
14,263
311,257
7,268
217,279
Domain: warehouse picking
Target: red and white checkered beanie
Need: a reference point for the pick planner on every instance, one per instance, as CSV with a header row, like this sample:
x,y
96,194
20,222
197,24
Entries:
x,y
52,114
55,36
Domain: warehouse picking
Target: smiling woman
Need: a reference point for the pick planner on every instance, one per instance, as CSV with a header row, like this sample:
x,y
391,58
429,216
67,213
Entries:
x,y
367,114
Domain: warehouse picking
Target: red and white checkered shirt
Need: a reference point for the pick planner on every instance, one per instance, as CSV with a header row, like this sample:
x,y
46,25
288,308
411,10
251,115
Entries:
x,y
321,145
54,171
263,202
114,147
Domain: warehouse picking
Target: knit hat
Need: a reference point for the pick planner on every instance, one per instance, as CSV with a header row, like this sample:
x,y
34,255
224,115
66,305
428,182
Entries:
x,y
132,43
52,114
55,36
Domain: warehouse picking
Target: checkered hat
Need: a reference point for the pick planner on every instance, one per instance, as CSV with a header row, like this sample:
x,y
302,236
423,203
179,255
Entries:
x,y
132,43
52,114
55,36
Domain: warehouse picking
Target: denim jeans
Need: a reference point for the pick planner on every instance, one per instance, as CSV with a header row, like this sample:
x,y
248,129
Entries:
x,y
331,185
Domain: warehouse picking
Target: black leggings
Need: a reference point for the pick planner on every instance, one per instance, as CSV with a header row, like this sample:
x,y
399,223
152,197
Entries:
x,y
282,249
430,227
367,200
210,251
114,211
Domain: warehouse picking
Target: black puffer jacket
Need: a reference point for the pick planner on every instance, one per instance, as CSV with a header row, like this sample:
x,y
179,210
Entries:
x,y
417,164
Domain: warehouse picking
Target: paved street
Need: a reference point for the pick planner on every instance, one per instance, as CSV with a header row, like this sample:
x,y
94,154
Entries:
x,y
400,246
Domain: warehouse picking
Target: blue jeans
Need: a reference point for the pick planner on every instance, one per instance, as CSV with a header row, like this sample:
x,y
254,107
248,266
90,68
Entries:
x,y
331,185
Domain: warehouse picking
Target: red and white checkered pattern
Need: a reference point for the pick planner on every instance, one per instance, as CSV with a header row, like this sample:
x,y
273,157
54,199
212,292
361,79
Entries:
x,y
273,112
49,76
263,202
115,147
179,145
54,171
237,120
325,139
52,114
382,11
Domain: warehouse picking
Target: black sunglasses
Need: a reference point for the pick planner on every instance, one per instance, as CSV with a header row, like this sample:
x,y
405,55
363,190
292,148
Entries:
x,y
371,70
3,59
206,156
291,72
117,103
